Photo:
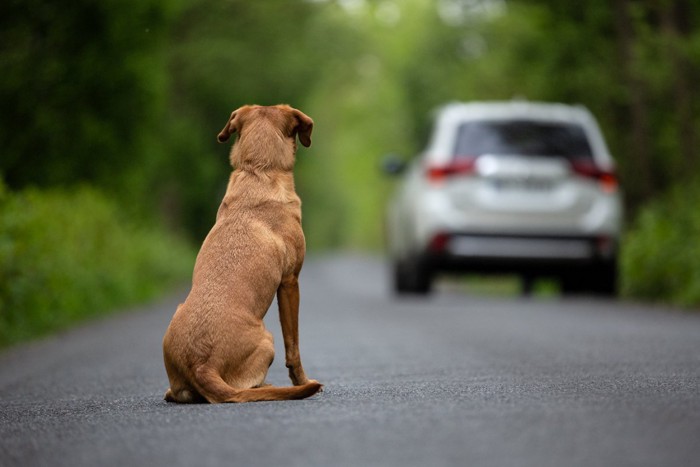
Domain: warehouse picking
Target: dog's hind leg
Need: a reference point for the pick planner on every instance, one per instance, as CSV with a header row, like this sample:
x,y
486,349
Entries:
x,y
180,390
249,373
212,386
183,396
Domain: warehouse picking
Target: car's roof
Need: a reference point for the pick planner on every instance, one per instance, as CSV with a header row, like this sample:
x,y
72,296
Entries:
x,y
514,110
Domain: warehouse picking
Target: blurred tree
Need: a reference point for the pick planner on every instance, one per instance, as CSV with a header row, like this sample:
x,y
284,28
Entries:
x,y
82,88
636,104
224,54
678,28
130,94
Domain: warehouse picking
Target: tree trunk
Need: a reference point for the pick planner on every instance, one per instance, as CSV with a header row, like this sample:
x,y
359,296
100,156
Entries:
x,y
639,164
675,27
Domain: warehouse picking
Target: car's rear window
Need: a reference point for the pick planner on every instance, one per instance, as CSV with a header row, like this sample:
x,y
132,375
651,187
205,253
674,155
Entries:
x,y
522,137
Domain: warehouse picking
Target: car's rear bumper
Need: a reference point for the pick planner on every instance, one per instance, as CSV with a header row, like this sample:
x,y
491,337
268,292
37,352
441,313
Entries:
x,y
517,253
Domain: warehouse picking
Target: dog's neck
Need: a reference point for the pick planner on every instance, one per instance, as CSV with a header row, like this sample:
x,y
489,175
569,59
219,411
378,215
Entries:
x,y
256,186
263,160
271,152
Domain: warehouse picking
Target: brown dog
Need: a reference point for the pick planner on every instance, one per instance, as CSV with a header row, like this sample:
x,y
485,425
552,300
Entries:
x,y
216,347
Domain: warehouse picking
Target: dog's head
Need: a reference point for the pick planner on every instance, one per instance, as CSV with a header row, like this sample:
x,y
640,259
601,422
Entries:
x,y
266,136
289,121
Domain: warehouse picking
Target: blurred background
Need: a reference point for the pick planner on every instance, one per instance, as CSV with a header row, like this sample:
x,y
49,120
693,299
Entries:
x,y
111,174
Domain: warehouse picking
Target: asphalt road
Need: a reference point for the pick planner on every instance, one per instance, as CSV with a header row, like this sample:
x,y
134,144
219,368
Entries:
x,y
455,379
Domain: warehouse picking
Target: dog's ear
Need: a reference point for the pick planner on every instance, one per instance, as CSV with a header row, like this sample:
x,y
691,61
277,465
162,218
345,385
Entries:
x,y
303,128
229,129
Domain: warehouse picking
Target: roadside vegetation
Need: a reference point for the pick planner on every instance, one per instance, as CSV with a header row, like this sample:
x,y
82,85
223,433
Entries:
x,y
66,255
111,109
661,255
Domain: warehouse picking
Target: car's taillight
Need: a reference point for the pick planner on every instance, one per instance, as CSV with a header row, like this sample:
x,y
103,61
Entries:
x,y
607,180
605,246
438,243
459,166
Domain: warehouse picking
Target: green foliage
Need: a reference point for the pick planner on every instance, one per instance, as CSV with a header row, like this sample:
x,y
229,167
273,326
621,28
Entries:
x,y
661,252
363,111
82,89
69,254
222,55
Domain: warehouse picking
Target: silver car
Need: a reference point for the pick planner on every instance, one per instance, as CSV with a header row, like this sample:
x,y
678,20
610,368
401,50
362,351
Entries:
x,y
508,187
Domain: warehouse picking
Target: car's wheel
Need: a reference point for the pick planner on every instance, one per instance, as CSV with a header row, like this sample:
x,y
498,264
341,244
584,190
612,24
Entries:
x,y
597,280
604,279
400,278
412,277
573,283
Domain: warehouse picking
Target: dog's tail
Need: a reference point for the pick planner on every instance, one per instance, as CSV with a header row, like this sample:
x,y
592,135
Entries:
x,y
215,390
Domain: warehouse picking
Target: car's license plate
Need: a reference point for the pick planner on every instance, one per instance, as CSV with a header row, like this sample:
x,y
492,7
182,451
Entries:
x,y
522,184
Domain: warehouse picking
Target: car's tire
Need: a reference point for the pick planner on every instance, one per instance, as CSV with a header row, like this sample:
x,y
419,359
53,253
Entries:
x,y
412,276
600,280
399,276
604,279
573,283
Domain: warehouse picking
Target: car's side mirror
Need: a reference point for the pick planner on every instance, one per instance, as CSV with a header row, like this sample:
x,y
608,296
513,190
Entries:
x,y
393,164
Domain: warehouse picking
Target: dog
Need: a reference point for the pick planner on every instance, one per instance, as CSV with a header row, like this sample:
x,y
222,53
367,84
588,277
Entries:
x,y
216,348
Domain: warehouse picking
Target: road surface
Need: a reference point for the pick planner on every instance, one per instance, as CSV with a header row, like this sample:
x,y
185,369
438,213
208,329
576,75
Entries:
x,y
455,379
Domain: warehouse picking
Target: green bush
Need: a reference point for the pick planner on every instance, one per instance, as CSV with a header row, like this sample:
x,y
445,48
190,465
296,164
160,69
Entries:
x,y
661,252
69,254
